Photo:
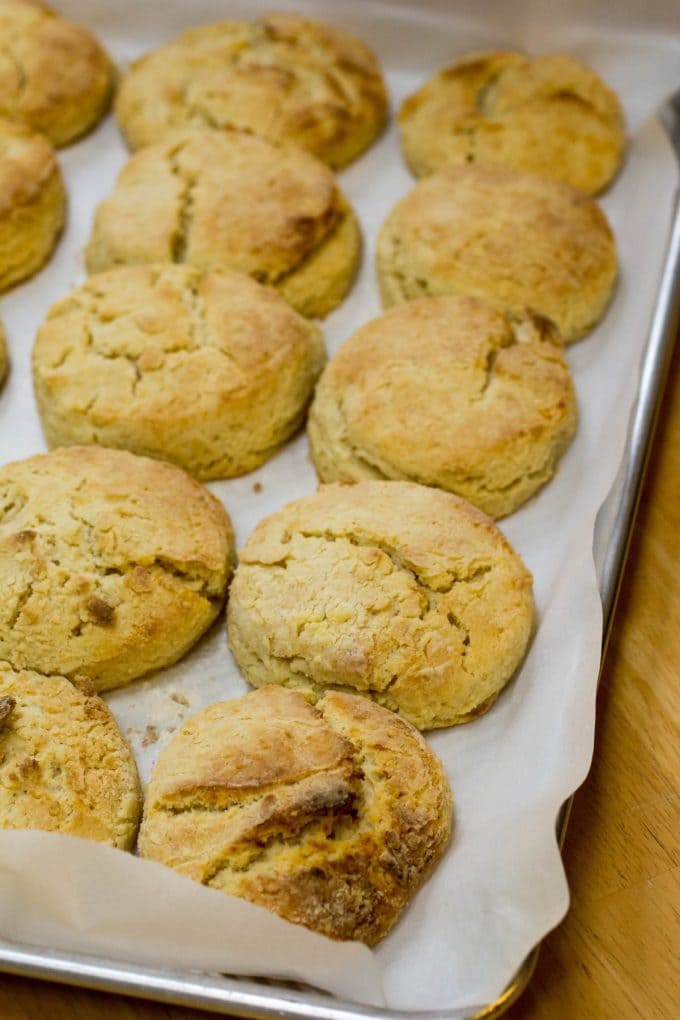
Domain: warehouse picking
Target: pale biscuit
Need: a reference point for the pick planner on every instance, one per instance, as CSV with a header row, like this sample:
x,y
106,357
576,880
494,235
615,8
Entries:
x,y
283,77
209,370
32,202
331,816
514,239
408,595
64,765
551,115
54,76
4,357
447,392
111,565
234,201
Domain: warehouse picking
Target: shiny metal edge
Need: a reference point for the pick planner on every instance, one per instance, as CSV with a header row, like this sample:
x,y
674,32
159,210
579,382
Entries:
x,y
627,487
250,998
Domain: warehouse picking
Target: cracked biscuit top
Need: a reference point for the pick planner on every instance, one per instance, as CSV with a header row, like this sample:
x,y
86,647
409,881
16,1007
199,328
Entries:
x,y
551,115
408,595
64,765
209,370
514,239
111,565
447,392
331,816
283,77
234,201
54,76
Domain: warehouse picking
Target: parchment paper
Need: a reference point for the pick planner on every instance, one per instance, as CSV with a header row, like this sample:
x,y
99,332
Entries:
x,y
501,885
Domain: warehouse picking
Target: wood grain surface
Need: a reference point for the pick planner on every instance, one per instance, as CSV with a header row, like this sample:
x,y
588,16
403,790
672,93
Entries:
x,y
615,956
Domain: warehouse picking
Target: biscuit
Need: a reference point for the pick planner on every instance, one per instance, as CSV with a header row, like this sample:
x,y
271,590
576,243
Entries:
x,y
514,239
551,115
234,201
4,357
111,565
331,816
209,370
64,765
447,392
283,77
54,76
32,202
408,595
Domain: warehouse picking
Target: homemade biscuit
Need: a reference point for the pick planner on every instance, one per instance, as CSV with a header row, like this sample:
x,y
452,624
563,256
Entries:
x,y
209,370
283,77
54,76
32,202
4,357
331,816
64,766
514,239
218,199
447,392
551,115
408,595
111,565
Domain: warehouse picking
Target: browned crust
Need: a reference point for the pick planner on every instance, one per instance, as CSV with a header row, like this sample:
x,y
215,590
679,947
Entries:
x,y
283,77
111,565
54,75
406,594
331,816
64,766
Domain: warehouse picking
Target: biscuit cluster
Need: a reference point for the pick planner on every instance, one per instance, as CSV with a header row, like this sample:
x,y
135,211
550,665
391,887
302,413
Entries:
x,y
387,602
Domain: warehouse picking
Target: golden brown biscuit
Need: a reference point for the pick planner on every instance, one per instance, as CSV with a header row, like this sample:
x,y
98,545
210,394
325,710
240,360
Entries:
x,y
283,77
231,200
209,370
32,202
331,816
405,594
513,239
551,115
54,76
111,565
64,765
447,392
4,357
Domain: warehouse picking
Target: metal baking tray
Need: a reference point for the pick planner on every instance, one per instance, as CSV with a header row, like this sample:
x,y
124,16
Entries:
x,y
266,999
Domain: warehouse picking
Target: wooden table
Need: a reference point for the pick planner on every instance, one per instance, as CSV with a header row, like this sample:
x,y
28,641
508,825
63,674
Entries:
x,y
615,954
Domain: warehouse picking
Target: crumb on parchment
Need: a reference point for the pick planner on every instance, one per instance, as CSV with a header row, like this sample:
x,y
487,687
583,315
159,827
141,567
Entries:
x,y
150,736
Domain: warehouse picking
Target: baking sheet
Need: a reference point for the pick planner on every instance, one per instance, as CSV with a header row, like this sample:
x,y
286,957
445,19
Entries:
x,y
501,885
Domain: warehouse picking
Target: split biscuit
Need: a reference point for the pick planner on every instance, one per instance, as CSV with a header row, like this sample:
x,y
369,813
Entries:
x,y
551,115
231,200
54,75
447,392
514,239
32,202
111,565
283,77
64,765
209,370
407,595
331,816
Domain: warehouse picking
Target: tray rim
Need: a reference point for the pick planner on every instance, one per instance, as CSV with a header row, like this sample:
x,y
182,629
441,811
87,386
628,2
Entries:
x,y
202,991
230,995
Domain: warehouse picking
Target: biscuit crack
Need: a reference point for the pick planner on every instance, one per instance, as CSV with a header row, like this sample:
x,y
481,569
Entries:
x,y
21,601
180,240
366,540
